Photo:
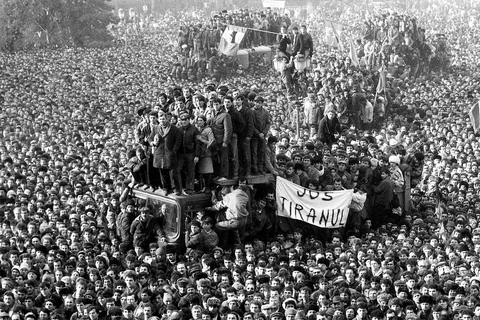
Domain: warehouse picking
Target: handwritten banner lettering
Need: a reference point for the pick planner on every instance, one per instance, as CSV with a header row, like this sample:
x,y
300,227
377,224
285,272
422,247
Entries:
x,y
324,209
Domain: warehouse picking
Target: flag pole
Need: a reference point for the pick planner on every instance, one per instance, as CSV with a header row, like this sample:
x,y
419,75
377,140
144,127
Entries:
x,y
384,84
260,30
342,24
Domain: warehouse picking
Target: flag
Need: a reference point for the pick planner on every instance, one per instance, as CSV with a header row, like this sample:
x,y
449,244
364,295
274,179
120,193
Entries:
x,y
333,31
230,40
382,81
353,55
475,116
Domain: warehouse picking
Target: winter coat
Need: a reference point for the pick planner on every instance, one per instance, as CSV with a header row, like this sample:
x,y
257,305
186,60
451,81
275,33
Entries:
x,y
206,150
143,231
221,125
247,114
327,129
124,221
261,121
384,193
270,160
194,241
190,144
238,122
166,151
311,111
236,203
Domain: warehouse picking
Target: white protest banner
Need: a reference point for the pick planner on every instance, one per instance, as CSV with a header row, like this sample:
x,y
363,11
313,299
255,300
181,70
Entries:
x,y
324,209
273,3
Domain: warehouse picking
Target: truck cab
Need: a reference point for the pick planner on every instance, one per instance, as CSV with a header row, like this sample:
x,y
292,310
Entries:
x,y
179,210
176,211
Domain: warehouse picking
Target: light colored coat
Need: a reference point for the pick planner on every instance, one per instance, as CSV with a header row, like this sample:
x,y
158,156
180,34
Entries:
x,y
311,111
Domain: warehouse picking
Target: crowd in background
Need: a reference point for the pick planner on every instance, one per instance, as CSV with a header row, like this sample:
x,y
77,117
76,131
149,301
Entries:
x,y
75,133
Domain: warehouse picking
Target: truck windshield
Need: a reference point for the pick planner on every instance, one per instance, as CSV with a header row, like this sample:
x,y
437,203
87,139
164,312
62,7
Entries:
x,y
171,222
170,211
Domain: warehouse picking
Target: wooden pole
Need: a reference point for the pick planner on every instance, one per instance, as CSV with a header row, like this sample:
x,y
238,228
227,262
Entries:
x,y
231,25
298,121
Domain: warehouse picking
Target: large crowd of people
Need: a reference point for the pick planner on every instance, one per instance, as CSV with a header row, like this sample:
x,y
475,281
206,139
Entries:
x,y
81,127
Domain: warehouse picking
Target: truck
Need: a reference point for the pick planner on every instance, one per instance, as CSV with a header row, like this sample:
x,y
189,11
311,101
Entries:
x,y
178,211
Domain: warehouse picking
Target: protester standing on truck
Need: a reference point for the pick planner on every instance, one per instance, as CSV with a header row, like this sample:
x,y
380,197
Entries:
x,y
166,140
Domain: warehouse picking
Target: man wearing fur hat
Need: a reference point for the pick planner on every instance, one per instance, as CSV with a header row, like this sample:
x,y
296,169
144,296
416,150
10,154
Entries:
x,y
426,303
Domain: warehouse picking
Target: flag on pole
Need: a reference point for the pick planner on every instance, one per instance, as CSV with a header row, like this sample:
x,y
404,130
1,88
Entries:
x,y
382,81
353,55
475,116
230,40
333,31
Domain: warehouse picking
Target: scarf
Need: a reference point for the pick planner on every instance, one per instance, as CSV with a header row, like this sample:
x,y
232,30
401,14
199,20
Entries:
x,y
164,130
